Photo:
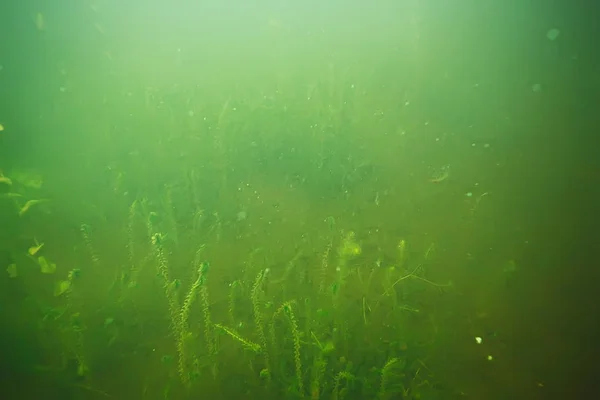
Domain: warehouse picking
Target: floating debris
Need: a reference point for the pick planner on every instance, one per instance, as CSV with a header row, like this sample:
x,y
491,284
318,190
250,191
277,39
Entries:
x,y
40,22
241,216
12,270
46,266
5,179
33,250
30,204
61,287
440,175
75,273
553,34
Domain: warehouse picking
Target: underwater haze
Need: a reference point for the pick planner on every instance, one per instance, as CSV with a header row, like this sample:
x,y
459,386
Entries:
x,y
296,199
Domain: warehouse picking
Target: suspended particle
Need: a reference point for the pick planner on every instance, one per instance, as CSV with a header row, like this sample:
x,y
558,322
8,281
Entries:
x,y
553,34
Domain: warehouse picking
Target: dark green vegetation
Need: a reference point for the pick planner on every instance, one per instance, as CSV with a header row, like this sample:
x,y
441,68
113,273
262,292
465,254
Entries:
x,y
227,258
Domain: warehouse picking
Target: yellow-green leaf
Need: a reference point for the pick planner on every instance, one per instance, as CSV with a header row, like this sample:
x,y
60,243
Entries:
x,y
34,249
46,266
61,287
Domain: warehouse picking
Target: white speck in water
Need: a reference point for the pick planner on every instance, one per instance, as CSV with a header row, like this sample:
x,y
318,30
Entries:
x,y
469,194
